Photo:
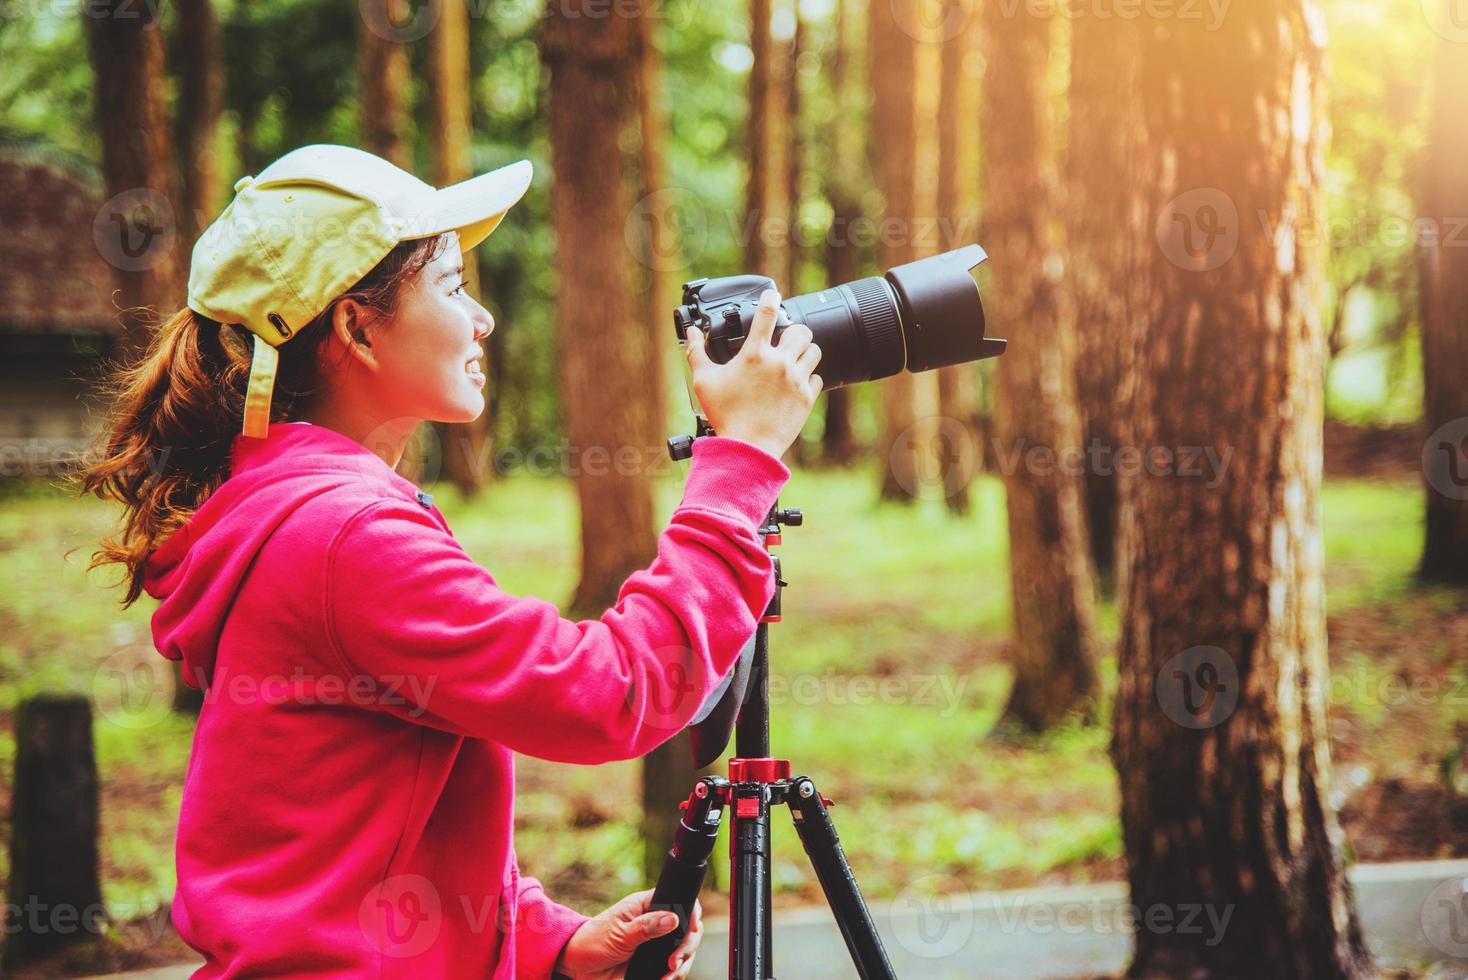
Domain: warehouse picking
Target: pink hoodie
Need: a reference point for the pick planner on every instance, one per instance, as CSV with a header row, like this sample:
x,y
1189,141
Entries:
x,y
348,808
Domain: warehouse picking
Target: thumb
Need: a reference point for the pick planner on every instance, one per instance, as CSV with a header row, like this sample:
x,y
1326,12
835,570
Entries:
x,y
652,925
697,354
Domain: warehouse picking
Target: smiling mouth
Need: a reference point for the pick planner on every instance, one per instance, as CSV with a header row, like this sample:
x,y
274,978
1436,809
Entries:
x,y
475,372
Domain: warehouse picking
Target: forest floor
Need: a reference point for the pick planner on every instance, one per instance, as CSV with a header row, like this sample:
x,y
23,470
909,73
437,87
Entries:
x,y
889,672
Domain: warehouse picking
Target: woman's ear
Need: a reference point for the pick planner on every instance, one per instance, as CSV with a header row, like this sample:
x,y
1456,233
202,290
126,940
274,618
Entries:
x,y
349,324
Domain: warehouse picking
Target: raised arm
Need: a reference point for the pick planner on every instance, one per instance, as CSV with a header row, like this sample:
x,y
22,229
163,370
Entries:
x,y
407,606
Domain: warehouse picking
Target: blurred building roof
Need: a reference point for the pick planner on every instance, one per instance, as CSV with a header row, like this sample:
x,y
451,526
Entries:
x,y
52,277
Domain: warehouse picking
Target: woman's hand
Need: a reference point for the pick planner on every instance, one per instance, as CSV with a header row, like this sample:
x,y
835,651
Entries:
x,y
600,949
764,394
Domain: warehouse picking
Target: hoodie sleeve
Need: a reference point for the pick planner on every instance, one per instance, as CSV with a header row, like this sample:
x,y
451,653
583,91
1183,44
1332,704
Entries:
x,y
407,607
544,929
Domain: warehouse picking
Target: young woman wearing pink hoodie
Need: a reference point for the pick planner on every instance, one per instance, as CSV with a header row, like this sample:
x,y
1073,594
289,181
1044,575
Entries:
x,y
349,803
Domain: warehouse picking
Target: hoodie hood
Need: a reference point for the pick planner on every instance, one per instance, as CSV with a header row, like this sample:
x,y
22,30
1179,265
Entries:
x,y
197,572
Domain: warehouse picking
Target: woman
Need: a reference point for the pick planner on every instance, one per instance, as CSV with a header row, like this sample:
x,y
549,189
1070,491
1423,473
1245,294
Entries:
x,y
348,807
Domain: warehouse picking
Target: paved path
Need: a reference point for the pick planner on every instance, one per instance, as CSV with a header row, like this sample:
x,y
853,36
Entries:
x,y
1413,915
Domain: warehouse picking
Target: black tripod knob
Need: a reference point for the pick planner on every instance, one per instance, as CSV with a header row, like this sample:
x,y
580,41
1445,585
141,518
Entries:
x,y
790,516
680,447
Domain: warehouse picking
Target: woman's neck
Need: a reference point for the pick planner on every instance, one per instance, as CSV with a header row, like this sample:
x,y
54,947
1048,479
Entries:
x,y
385,438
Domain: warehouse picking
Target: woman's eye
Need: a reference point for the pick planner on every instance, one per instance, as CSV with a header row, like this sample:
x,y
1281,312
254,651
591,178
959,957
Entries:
x,y
458,289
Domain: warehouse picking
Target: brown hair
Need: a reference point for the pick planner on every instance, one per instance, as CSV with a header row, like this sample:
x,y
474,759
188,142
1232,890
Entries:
x,y
174,412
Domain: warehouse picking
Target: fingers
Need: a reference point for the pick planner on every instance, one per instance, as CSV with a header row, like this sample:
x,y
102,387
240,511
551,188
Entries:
x,y
698,354
795,337
681,962
809,358
765,315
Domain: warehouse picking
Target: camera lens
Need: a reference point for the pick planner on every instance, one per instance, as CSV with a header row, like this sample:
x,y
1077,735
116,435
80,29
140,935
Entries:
x,y
920,316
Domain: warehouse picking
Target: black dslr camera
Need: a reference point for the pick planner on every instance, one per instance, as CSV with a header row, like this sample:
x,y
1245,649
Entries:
x,y
919,316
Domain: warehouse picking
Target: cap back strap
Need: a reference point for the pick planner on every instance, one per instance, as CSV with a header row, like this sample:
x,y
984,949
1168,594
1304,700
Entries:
x,y
262,384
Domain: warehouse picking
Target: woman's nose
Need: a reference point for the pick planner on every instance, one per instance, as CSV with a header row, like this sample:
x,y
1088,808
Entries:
x,y
484,324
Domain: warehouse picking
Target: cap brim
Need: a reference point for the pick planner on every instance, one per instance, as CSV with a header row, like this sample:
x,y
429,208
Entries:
x,y
475,206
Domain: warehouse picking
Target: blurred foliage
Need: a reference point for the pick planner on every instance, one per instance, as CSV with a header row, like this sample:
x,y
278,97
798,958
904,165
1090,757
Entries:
x,y
1377,84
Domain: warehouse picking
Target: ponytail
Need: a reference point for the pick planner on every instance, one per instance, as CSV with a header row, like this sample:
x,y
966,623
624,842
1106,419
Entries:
x,y
173,414
175,411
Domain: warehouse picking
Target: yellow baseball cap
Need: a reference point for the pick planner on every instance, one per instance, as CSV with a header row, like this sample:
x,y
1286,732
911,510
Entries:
x,y
312,224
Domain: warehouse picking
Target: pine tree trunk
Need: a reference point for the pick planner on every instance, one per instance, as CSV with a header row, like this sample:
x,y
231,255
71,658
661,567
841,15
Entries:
x,y
605,353
794,147
200,101
125,47
957,153
1102,149
465,446
892,58
1220,740
1443,263
1038,425
843,260
767,202
662,293
382,85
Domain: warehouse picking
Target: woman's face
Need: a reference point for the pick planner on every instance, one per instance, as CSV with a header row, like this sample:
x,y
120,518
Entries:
x,y
430,362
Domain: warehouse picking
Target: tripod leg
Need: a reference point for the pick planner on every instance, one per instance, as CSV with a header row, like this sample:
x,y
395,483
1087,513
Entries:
x,y
818,834
749,846
681,877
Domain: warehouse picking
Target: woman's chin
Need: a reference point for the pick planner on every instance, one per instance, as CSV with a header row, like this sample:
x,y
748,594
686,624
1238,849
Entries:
x,y
463,409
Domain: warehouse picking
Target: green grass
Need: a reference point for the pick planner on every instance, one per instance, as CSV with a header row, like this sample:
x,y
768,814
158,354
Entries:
x,y
889,672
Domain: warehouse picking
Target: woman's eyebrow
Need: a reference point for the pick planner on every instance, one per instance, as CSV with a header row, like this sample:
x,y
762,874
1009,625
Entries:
x,y
457,270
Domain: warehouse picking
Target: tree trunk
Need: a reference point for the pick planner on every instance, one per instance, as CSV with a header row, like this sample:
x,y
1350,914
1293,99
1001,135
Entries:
x,y
664,258
605,353
1443,266
1102,151
767,201
794,145
1038,425
1220,738
125,47
55,894
843,178
465,445
892,57
200,101
958,455
382,84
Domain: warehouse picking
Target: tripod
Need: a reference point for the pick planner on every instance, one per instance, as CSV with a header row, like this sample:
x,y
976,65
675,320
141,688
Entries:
x,y
756,784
